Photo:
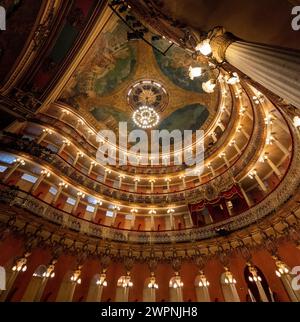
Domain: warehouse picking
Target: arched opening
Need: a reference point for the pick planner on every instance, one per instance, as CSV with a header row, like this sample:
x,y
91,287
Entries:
x,y
202,288
68,286
228,284
150,287
284,273
2,279
175,287
96,288
35,288
13,269
258,287
123,286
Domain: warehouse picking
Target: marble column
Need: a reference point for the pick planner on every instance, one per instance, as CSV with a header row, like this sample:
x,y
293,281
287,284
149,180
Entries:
x,y
277,69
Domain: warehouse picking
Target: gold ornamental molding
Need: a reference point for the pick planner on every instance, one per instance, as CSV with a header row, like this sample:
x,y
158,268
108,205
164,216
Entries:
x,y
73,63
220,40
48,12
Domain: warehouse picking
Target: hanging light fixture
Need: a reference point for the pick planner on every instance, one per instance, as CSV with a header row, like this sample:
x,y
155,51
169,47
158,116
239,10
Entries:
x,y
204,47
195,72
145,117
233,79
209,86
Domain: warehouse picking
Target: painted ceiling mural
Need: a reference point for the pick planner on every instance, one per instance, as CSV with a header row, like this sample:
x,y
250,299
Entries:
x,y
98,89
109,63
175,65
190,117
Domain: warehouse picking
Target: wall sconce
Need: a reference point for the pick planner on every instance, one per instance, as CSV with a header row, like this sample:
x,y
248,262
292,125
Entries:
x,y
152,284
282,269
102,280
46,173
20,265
81,194
203,282
229,279
20,161
177,283
63,185
254,277
75,278
127,283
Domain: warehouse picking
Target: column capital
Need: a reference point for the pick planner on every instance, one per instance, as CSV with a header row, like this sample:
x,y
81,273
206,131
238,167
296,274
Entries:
x,y
220,40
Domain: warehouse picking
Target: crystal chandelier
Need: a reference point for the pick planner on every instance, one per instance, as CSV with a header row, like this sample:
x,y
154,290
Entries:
x,y
145,117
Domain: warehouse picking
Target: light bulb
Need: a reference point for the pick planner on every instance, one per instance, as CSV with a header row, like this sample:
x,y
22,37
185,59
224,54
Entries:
x,y
278,274
204,47
195,72
250,279
53,275
24,269
14,268
209,86
105,283
259,278
79,281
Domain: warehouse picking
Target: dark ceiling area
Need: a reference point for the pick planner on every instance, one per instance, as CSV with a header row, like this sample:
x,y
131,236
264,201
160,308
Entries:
x,y
262,21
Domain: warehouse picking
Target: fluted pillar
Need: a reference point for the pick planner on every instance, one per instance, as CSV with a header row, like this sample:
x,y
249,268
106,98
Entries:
x,y
277,69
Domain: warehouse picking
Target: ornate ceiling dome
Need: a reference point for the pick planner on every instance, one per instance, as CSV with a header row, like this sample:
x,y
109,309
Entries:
x,y
52,172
